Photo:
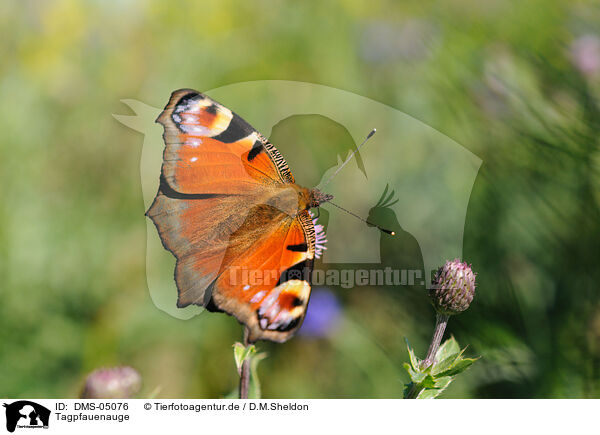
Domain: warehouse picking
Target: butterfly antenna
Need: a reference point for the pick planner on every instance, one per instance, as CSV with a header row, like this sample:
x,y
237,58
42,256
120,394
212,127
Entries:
x,y
349,158
390,232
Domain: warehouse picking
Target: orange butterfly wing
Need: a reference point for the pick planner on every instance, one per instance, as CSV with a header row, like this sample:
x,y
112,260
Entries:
x,y
265,276
228,206
210,149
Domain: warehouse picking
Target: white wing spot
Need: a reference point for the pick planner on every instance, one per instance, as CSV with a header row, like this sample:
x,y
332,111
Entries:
x,y
258,296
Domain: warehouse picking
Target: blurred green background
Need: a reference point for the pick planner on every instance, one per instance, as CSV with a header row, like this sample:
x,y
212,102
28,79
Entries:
x,y
517,83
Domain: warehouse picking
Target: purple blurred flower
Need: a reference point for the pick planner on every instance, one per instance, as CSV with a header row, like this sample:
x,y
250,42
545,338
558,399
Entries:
x,y
112,383
585,54
323,313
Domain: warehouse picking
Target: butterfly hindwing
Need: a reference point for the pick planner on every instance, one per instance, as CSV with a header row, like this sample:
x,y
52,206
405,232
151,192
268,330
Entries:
x,y
265,279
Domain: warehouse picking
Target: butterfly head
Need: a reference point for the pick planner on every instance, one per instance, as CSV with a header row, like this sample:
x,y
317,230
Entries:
x,y
316,198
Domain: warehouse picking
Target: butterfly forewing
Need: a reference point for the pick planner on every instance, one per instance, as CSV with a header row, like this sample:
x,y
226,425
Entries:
x,y
209,149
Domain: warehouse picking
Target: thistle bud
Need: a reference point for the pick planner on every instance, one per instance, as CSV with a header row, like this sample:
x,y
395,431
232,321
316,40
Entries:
x,y
453,288
112,383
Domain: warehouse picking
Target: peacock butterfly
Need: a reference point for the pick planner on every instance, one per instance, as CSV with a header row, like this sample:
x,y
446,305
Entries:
x,y
228,205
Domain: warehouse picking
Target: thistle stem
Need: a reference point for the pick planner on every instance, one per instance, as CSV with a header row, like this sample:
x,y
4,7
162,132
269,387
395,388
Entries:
x,y
441,320
245,371
413,392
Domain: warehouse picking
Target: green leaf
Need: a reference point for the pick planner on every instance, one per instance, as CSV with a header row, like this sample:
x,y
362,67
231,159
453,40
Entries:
x,y
443,382
430,393
428,382
445,364
414,361
440,385
241,352
448,348
460,366
415,376
254,387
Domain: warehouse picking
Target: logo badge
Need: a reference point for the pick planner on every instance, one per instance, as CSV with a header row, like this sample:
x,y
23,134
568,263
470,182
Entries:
x,y
26,414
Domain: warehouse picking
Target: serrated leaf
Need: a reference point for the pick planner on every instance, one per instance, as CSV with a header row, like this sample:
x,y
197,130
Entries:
x,y
409,369
440,385
443,382
448,348
458,367
415,377
429,394
414,361
439,367
430,382
240,353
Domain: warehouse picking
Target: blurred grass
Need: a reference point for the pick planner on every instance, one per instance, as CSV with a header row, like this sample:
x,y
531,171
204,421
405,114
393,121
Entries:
x,y
498,77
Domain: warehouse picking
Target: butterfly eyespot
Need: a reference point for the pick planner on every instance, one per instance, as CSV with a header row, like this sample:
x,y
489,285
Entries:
x,y
283,309
283,322
184,102
286,325
212,109
236,130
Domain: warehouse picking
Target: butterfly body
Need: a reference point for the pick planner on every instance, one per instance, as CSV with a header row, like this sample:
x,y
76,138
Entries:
x,y
229,210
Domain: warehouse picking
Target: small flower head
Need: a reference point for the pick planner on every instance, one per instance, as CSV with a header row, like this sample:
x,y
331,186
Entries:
x,y
453,288
112,383
320,237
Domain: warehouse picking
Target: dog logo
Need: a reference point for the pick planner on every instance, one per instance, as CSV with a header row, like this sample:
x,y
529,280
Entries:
x,y
26,414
